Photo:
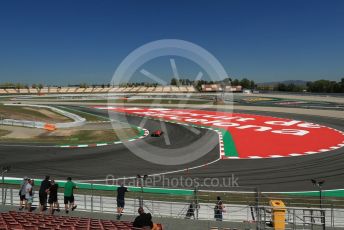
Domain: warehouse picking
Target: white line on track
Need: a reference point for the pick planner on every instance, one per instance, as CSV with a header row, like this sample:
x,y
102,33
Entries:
x,y
164,173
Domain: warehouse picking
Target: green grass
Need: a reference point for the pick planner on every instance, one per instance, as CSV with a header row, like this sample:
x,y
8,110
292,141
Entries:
x,y
20,110
80,137
27,113
92,136
3,132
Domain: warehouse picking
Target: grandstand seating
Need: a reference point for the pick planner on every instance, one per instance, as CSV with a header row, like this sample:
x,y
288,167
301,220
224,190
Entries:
x,y
166,89
11,91
80,90
2,91
63,90
71,89
88,90
175,89
125,90
24,91
183,89
134,89
142,89
34,221
33,91
150,89
158,89
191,89
53,90
97,90
105,90
113,89
44,90
218,87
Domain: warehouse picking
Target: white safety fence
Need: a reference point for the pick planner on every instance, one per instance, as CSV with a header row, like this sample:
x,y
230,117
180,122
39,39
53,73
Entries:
x,y
295,216
22,123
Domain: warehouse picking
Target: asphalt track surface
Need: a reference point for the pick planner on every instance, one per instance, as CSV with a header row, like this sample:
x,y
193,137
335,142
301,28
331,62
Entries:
x,y
280,174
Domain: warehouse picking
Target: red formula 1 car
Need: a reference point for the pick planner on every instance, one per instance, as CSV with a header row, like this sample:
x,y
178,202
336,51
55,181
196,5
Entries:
x,y
157,133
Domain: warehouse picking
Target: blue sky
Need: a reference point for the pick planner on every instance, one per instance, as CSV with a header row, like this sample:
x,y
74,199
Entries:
x,y
69,42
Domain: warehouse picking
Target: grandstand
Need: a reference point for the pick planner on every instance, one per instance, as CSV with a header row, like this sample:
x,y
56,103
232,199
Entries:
x,y
11,91
53,89
22,91
142,89
26,220
121,89
183,89
191,89
44,90
166,89
88,90
63,90
80,90
158,89
219,88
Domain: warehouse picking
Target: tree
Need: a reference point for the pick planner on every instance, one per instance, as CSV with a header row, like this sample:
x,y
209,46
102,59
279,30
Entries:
x,y
281,87
245,83
252,85
18,86
235,82
174,81
226,81
83,85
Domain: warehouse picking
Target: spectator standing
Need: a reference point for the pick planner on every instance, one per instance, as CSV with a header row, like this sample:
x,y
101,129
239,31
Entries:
x,y
121,200
219,209
43,194
22,193
53,199
29,194
69,195
191,211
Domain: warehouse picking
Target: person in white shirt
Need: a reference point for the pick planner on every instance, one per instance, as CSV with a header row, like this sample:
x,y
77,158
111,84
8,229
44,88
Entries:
x,y
29,194
22,193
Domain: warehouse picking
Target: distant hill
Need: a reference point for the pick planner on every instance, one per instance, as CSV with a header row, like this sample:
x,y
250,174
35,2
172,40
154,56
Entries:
x,y
295,82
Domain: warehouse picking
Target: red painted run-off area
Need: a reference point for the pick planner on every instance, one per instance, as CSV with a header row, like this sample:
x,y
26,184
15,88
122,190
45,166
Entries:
x,y
254,136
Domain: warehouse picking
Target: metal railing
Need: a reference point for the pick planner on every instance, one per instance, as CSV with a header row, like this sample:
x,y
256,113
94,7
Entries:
x,y
255,216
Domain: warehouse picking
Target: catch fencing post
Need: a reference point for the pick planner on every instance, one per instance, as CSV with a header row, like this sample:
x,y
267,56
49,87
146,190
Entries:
x,y
196,201
101,203
332,216
85,201
5,169
294,219
258,217
91,197
11,196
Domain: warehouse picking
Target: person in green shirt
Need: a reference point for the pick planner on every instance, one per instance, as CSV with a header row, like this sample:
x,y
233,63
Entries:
x,y
69,195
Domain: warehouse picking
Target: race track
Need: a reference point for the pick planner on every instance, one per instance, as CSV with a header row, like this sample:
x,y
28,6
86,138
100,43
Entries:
x,y
279,174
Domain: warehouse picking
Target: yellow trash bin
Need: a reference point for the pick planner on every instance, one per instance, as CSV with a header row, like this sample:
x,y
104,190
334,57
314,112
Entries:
x,y
278,214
